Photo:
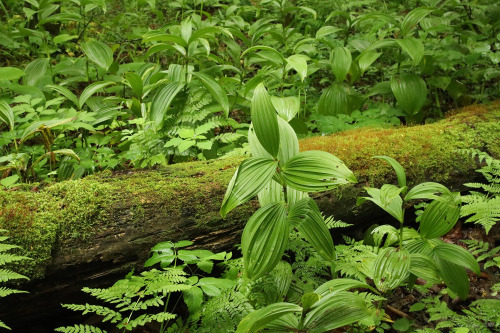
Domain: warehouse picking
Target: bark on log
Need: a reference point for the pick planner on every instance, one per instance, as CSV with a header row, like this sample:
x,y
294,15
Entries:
x,y
91,232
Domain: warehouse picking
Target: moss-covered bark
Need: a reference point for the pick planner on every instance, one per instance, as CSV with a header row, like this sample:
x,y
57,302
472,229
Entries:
x,y
117,217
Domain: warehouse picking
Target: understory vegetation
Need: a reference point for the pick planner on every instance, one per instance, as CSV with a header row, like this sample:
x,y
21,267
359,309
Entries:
x,y
90,87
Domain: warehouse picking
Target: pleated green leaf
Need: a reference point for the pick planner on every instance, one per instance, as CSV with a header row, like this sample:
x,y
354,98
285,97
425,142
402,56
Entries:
x,y
336,285
99,53
272,192
92,89
454,276
161,102
400,172
287,107
257,320
306,217
413,47
265,120
410,91
341,62
366,59
250,177
440,216
391,268
215,89
65,92
423,266
335,310
339,99
134,81
299,63
264,239
387,198
457,255
35,71
413,18
426,190
274,55
6,114
315,171
159,36
11,73
34,127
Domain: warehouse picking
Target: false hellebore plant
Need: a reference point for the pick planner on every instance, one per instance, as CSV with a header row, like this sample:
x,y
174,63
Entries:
x,y
282,178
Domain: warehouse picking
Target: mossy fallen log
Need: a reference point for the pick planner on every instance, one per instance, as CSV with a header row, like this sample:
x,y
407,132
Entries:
x,y
82,232
116,217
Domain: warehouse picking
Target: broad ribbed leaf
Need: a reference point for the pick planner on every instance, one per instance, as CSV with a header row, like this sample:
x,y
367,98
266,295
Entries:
x,y
335,310
11,73
65,92
387,198
33,128
287,107
423,266
426,191
161,102
66,152
92,89
265,120
327,30
413,47
341,62
440,216
306,217
259,319
299,63
250,177
276,56
385,233
400,172
366,59
454,276
315,171
413,18
134,81
215,89
35,71
457,255
159,36
339,99
410,91
336,285
6,114
391,268
272,192
264,239
99,53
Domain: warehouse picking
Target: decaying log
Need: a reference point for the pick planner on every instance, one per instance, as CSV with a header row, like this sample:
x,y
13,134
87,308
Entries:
x,y
92,231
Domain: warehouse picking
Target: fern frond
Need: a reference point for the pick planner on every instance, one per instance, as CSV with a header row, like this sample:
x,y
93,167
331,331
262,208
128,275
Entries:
x,y
80,329
484,211
99,310
146,318
7,275
4,291
6,258
228,137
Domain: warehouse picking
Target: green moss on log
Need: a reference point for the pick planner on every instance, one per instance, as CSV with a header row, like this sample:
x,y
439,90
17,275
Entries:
x,y
41,222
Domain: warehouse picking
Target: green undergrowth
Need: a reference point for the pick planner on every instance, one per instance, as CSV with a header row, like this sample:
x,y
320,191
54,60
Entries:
x,y
43,221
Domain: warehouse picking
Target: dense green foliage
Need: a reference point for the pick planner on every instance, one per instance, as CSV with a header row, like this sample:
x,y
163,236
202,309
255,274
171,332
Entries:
x,y
95,85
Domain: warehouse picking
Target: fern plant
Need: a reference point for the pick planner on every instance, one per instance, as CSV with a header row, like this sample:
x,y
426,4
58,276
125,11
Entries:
x,y
7,274
483,207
